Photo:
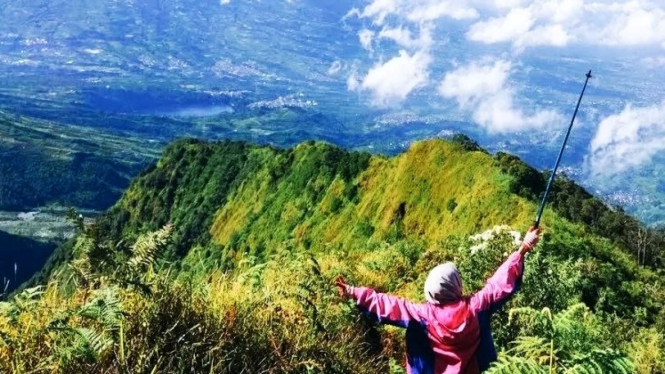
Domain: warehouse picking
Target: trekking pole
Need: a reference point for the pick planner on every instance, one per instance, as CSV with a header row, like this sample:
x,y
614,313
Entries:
x,y
536,223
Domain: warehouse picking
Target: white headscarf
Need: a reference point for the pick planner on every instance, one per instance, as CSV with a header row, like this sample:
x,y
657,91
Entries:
x,y
443,284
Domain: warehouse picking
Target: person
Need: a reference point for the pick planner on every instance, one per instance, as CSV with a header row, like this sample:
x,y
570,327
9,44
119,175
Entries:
x,y
450,333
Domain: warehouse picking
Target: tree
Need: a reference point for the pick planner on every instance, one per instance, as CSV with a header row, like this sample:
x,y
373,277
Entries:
x,y
643,241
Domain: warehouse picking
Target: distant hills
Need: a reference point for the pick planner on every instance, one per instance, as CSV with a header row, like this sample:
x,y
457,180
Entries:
x,y
102,64
152,44
43,163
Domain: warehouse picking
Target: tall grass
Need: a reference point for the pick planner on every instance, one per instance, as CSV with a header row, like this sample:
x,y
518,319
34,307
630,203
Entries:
x,y
242,283
283,316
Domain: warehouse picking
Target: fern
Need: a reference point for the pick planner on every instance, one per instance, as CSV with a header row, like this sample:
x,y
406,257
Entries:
x,y
82,343
513,364
601,361
532,321
561,342
88,345
82,270
25,301
105,308
563,322
534,348
93,343
147,247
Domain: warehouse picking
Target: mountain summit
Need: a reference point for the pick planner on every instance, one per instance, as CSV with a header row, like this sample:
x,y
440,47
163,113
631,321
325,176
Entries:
x,y
221,256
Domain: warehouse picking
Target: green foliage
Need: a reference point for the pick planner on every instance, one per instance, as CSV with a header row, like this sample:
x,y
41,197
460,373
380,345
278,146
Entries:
x,y
104,307
451,204
597,362
648,351
243,279
103,316
517,365
365,228
194,179
466,143
601,361
551,281
50,162
527,181
33,178
574,203
565,342
21,303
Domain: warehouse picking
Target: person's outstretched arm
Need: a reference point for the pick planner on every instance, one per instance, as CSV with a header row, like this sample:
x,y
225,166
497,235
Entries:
x,y
505,281
381,307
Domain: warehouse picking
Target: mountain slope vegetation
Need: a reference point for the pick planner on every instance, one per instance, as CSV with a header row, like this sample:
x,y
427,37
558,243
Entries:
x,y
46,163
221,256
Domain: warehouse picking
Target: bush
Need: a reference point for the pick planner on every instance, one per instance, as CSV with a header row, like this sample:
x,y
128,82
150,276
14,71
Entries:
x,y
451,204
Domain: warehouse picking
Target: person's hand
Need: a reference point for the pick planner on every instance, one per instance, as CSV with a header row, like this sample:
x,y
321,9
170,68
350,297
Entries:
x,y
530,240
342,287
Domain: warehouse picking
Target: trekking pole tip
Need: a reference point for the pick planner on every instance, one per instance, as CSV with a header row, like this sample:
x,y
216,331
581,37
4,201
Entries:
x,y
588,75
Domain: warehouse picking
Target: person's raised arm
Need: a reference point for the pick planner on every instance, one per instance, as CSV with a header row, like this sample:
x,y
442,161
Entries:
x,y
505,281
381,307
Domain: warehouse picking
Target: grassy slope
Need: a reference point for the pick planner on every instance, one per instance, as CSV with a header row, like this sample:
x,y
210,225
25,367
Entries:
x,y
421,182
405,198
232,201
262,232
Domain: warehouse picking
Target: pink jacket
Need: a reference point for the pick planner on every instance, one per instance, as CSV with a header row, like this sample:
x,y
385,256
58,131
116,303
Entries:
x,y
451,338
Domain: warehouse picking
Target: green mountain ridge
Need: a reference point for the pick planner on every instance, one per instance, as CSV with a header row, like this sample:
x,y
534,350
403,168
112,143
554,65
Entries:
x,y
242,280
217,178
45,163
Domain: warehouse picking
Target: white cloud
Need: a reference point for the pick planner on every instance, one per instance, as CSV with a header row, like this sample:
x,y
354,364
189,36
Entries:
x,y
224,2
433,10
559,22
628,139
469,83
352,83
415,10
633,23
483,90
551,35
391,82
502,29
402,36
334,68
365,36
378,10
519,24
526,23
548,23
559,11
